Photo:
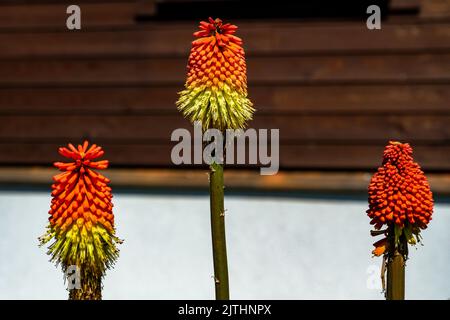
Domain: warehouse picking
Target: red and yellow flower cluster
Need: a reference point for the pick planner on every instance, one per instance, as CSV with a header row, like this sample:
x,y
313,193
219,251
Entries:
x,y
216,86
81,217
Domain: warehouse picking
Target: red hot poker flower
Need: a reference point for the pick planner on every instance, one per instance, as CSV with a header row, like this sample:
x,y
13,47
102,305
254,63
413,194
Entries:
x,y
217,57
399,191
216,87
81,218
399,194
79,193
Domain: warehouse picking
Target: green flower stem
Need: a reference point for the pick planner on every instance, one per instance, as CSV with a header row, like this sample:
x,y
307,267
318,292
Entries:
x,y
396,277
218,232
398,251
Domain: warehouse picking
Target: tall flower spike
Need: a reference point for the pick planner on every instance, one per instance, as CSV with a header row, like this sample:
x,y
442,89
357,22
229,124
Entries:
x,y
81,219
216,87
399,195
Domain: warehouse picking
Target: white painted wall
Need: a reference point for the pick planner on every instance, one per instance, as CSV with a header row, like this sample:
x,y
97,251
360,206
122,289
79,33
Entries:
x,y
279,248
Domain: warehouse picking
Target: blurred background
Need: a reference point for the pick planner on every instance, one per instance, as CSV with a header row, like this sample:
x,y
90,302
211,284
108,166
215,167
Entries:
x,y
337,91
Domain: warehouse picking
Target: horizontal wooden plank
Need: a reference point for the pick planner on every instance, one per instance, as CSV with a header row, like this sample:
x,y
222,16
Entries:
x,y
299,156
373,99
159,71
164,39
357,156
404,5
435,9
235,180
144,128
53,15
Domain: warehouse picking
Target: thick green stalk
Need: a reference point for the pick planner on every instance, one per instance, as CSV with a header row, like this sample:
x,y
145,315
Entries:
x,y
218,231
396,277
398,250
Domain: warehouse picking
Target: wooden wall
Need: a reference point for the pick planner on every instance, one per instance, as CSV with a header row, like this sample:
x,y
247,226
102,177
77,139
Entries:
x,y
337,91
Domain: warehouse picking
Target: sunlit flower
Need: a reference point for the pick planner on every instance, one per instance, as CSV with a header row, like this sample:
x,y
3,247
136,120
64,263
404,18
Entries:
x,y
216,85
81,218
399,194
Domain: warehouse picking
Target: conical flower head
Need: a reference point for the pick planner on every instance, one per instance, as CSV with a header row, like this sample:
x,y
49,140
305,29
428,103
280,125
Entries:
x,y
399,193
81,218
216,87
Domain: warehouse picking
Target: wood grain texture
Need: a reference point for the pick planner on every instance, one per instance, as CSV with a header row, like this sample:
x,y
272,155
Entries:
x,y
260,38
332,128
429,68
337,92
35,16
293,99
300,155
435,9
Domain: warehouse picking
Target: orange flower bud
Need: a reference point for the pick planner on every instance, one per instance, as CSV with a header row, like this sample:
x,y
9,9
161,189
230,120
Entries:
x,y
399,191
381,246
